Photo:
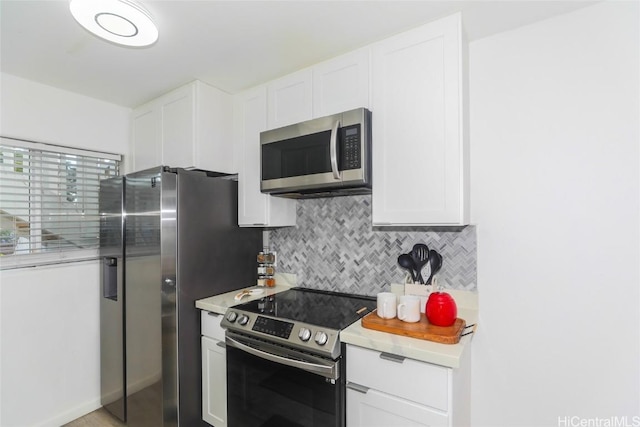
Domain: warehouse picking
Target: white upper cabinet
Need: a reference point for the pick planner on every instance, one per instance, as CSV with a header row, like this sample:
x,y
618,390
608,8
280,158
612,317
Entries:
x,y
337,85
255,209
147,151
178,117
289,99
341,84
420,153
189,127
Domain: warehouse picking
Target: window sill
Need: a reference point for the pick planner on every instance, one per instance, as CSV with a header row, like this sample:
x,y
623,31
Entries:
x,y
10,262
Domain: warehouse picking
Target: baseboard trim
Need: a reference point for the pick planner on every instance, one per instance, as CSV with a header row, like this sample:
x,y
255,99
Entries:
x,y
72,414
93,404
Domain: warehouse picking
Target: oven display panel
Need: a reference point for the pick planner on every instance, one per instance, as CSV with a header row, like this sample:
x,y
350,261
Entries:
x,y
274,327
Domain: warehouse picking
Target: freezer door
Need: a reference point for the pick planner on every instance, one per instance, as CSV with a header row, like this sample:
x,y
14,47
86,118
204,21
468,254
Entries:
x,y
111,302
143,297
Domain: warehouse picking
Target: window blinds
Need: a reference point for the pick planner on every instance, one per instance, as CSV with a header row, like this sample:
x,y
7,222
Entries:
x,y
49,202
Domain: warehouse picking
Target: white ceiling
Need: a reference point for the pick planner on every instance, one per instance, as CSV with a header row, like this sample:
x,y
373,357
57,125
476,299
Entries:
x,y
232,45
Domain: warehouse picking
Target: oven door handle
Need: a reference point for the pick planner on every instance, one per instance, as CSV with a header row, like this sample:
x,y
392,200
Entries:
x,y
327,370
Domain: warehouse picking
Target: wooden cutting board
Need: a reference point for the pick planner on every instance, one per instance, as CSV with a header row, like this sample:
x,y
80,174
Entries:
x,y
422,330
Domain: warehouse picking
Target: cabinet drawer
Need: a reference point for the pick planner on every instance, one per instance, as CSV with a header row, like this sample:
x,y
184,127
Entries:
x,y
210,325
409,379
375,409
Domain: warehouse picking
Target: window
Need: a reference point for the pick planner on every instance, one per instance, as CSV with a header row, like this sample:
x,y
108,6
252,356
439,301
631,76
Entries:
x,y
49,202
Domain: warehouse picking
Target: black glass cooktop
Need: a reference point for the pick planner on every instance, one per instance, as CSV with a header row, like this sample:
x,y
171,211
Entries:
x,y
332,310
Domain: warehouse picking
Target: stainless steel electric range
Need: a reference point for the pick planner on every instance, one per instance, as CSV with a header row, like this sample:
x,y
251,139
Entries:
x,y
285,362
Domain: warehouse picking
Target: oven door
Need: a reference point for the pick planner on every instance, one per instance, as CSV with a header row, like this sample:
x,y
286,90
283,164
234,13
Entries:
x,y
273,386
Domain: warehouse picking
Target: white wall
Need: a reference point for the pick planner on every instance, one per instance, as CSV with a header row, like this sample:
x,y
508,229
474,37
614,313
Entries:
x,y
49,318
555,196
41,113
50,344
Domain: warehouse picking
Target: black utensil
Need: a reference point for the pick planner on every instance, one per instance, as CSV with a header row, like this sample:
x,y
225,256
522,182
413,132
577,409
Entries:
x,y
435,259
420,255
405,261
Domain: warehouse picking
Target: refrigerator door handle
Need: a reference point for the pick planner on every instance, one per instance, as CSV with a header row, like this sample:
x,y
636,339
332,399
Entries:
x,y
110,278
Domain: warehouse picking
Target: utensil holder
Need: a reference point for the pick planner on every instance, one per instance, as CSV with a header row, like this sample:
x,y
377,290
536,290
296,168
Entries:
x,y
416,289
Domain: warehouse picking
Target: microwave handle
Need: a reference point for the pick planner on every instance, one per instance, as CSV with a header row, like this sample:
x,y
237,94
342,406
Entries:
x,y
334,150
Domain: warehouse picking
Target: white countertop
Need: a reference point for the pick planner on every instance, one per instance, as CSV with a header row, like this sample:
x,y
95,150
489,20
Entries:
x,y
220,303
426,351
413,348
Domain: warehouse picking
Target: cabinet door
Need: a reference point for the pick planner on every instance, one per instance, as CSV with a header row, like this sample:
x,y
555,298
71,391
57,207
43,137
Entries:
x,y
375,409
214,382
146,136
178,117
419,157
290,99
254,207
213,141
341,84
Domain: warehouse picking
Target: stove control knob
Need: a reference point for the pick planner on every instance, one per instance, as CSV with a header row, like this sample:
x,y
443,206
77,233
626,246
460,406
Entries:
x,y
232,316
321,338
304,334
243,320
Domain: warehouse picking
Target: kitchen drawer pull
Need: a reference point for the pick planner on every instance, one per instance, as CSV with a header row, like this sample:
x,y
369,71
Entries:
x,y
221,344
357,387
211,313
392,357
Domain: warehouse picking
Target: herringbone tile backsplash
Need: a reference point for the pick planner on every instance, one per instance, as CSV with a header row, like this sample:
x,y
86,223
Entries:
x,y
334,247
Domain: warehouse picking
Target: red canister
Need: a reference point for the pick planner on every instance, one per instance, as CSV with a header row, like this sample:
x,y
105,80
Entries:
x,y
441,309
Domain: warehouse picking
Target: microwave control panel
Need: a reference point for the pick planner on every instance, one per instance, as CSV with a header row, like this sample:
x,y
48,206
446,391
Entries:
x,y
351,153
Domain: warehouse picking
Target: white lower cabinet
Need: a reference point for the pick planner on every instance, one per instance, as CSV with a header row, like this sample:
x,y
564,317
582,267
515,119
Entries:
x,y
214,370
387,390
376,409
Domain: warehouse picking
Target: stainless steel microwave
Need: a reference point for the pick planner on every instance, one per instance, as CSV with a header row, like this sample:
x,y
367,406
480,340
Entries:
x,y
324,157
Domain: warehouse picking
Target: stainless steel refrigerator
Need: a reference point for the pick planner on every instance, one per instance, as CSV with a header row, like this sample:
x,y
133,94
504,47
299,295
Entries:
x,y
167,238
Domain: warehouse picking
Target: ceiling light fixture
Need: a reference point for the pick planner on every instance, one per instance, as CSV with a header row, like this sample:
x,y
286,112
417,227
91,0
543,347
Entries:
x,y
119,21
